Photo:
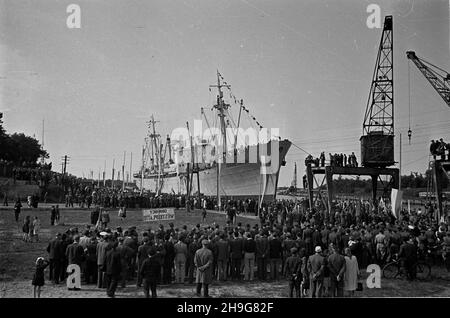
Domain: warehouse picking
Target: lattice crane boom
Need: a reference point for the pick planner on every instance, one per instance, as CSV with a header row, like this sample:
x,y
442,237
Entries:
x,y
377,141
379,115
437,77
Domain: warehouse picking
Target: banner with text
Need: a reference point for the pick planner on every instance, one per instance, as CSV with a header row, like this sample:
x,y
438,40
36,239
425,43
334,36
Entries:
x,y
151,215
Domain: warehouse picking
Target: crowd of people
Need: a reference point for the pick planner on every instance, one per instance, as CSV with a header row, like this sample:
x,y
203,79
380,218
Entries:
x,y
439,147
335,160
319,256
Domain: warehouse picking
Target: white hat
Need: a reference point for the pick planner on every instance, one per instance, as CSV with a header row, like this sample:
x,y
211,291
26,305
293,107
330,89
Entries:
x,y
318,249
39,259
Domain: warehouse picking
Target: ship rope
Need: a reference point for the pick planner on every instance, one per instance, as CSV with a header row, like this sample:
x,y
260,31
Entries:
x,y
293,144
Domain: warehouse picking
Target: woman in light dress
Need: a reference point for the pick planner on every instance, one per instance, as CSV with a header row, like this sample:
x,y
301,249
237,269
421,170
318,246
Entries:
x,y
351,273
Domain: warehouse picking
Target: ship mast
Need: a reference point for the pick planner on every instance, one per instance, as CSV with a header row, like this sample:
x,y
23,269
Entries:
x,y
155,151
221,106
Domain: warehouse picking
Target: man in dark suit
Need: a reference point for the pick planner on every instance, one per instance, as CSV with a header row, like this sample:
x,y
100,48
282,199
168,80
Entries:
x,y
150,272
307,238
262,254
142,255
55,255
113,269
336,265
237,251
293,272
408,257
223,254
74,252
275,253
316,267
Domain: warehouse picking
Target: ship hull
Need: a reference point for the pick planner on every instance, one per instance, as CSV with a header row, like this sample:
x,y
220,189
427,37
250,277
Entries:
x,y
236,180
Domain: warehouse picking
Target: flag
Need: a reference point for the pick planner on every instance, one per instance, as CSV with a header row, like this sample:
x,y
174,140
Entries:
x,y
396,201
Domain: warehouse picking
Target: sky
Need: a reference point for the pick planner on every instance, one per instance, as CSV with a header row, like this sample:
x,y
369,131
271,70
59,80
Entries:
x,y
303,66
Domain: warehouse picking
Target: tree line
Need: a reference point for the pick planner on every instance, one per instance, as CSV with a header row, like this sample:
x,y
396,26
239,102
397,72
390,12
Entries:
x,y
19,149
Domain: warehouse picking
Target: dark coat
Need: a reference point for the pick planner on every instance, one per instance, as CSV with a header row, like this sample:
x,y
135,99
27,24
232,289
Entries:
x,y
262,247
275,248
113,263
150,269
408,252
336,265
249,246
54,249
223,250
75,254
293,267
236,248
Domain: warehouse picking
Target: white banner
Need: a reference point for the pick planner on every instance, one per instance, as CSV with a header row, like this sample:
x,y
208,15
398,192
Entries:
x,y
151,215
396,202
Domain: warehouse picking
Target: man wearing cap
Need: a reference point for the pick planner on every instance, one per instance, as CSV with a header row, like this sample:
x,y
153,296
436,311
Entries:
x,y
203,261
150,271
316,267
336,265
141,256
113,269
293,272
126,253
181,254
102,246
408,257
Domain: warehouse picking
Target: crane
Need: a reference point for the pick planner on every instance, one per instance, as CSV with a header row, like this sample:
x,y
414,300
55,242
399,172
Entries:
x,y
377,142
438,78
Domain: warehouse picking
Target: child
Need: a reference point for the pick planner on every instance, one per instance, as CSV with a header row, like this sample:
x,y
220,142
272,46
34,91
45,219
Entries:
x,y
38,277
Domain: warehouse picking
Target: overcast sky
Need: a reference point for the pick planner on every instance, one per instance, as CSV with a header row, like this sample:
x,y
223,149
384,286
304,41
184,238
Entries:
x,y
302,66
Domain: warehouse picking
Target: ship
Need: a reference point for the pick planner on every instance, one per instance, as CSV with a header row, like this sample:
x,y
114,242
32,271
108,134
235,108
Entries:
x,y
229,164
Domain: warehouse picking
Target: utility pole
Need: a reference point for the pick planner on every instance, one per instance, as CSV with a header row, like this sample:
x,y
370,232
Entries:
x,y
42,145
64,164
123,171
112,179
64,168
400,166
131,164
104,175
142,169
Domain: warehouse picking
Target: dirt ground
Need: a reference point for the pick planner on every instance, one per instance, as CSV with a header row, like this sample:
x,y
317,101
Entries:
x,y
17,262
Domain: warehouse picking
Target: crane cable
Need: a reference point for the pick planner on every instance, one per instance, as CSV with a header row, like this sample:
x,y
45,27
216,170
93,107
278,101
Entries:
x,y
409,102
300,148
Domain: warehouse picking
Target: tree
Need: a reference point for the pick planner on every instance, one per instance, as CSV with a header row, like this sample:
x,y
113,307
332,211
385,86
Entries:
x,y
20,148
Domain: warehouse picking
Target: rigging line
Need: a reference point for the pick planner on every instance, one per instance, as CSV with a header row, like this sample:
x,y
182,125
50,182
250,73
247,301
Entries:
x,y
300,148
